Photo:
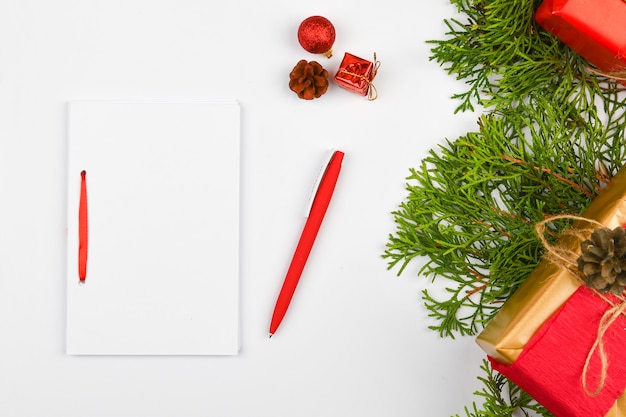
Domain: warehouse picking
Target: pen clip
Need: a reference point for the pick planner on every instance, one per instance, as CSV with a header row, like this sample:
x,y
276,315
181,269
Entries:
x,y
318,181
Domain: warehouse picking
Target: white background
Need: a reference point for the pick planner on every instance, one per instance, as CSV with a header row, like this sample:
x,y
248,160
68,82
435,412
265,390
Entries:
x,y
355,340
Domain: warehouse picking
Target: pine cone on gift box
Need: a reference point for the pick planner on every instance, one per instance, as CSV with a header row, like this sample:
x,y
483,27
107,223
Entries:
x,y
308,80
603,260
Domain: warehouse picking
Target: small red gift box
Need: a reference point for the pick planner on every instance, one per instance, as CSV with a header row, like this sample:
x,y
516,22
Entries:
x,y
356,74
562,367
595,29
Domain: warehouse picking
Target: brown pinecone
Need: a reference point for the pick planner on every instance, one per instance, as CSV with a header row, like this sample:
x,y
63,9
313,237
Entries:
x,y
603,260
308,80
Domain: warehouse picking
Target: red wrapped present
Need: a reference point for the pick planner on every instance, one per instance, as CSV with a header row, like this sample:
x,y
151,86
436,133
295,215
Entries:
x,y
575,365
596,29
551,334
356,74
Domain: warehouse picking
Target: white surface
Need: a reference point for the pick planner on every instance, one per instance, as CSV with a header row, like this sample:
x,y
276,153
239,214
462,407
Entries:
x,y
355,340
163,198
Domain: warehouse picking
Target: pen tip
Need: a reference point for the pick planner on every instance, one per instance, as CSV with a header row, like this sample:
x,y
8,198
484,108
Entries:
x,y
271,334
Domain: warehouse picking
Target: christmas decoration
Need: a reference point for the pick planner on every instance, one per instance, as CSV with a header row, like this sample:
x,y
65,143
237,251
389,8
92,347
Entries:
x,y
603,260
582,347
316,34
555,279
594,29
533,327
549,139
308,80
357,75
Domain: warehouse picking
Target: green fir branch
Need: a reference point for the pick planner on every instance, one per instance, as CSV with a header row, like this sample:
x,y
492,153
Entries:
x,y
501,398
503,55
473,203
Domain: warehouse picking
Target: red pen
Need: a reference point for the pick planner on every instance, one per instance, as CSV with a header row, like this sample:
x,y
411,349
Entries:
x,y
319,205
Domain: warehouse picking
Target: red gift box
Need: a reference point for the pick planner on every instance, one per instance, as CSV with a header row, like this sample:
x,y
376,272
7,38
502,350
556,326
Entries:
x,y
550,368
596,29
356,74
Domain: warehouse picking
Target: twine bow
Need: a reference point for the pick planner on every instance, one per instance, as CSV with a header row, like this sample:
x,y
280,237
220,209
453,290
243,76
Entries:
x,y
355,71
567,258
608,318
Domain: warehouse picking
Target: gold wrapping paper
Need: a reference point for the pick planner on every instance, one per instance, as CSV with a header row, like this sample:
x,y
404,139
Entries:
x,y
549,286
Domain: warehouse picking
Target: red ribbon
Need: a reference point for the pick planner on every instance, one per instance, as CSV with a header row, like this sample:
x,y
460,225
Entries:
x,y
83,229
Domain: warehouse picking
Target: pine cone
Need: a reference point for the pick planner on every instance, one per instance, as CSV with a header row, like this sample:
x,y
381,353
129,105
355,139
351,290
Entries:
x,y
603,260
308,79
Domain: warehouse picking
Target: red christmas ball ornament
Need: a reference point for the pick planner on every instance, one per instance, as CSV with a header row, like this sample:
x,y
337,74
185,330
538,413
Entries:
x,y
317,35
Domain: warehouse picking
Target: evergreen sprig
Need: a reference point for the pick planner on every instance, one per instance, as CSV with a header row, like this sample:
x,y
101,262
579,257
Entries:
x,y
473,203
501,398
503,55
550,137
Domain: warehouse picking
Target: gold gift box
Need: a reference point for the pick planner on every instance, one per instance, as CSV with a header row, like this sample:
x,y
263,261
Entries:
x,y
549,286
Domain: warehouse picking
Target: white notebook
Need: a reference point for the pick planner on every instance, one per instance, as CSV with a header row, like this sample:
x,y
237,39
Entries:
x,y
162,194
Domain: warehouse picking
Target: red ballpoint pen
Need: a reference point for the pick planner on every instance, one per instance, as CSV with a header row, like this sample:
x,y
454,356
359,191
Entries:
x,y
320,203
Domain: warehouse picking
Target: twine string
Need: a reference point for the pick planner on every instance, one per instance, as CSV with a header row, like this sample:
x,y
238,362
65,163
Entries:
x,y
568,259
608,318
616,75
